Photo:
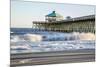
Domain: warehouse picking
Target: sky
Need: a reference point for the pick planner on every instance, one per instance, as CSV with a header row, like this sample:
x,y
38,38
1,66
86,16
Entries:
x,y
24,12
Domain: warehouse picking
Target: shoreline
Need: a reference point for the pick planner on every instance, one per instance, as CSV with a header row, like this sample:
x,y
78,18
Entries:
x,y
53,57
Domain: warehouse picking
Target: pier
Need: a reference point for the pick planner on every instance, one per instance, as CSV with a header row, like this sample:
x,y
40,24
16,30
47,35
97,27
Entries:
x,y
77,24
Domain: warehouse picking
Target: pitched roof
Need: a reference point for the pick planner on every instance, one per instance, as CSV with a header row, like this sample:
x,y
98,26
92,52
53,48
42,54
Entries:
x,y
53,14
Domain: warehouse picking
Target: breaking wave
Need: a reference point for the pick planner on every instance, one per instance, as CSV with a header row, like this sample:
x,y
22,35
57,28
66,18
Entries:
x,y
54,37
41,41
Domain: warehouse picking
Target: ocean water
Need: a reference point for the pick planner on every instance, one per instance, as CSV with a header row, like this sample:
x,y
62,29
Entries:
x,y
33,40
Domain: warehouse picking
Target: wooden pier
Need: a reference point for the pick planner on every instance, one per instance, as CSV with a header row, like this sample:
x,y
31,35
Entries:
x,y
78,24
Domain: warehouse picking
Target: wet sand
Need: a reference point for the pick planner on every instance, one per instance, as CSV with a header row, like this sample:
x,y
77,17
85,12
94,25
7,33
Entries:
x,y
38,58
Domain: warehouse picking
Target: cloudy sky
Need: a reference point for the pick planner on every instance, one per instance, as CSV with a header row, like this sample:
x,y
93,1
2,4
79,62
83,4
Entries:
x,y
24,12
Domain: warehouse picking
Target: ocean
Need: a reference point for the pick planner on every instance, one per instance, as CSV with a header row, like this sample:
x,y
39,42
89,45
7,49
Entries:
x,y
34,40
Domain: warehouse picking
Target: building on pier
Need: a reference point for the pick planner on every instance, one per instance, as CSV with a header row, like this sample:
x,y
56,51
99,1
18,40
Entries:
x,y
52,17
77,24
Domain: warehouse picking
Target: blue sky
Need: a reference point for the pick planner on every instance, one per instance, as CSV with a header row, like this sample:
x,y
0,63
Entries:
x,y
23,12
